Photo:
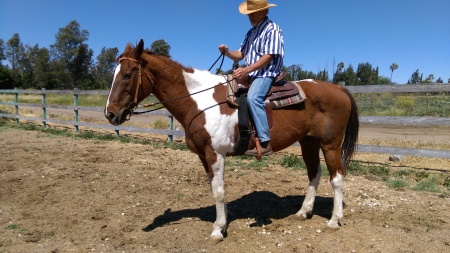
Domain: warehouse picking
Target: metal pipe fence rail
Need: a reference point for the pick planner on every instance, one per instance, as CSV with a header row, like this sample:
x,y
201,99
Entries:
x,y
387,120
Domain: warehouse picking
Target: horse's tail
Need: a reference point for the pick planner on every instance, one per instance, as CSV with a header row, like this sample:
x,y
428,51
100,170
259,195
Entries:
x,y
351,132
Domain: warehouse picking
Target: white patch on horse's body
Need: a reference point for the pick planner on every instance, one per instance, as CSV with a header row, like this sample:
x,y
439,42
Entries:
x,y
338,185
308,80
220,127
308,202
116,72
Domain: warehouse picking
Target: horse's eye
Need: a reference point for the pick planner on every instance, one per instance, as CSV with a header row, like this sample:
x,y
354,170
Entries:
x,y
127,76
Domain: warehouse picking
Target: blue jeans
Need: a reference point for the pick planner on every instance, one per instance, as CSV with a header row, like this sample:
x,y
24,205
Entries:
x,y
256,95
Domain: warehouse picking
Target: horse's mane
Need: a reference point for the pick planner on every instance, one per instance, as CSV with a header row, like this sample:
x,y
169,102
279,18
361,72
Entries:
x,y
163,58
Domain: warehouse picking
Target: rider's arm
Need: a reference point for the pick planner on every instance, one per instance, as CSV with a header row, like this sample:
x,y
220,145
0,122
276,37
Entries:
x,y
234,55
261,63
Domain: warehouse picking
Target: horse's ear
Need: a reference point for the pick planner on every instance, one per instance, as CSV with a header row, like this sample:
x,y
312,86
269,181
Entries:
x,y
139,50
128,47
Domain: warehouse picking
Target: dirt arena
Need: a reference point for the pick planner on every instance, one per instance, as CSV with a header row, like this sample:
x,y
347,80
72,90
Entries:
x,y
63,194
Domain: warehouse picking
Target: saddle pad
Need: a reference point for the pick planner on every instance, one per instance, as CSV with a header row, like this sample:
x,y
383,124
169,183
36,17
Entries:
x,y
280,95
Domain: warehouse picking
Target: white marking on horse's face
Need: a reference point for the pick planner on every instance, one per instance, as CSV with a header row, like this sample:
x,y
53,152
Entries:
x,y
220,127
116,72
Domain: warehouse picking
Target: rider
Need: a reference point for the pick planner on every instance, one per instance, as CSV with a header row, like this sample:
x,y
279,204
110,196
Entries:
x,y
263,52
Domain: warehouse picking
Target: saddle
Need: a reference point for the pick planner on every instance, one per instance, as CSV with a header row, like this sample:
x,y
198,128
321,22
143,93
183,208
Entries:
x,y
281,94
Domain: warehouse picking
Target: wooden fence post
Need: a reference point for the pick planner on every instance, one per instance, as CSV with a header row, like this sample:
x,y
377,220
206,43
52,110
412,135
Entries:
x,y
16,106
44,109
75,107
170,128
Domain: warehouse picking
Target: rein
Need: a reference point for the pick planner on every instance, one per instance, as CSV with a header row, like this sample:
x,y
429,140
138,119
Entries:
x,y
136,105
221,63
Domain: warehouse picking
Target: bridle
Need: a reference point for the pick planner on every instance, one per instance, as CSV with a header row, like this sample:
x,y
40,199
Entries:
x,y
133,105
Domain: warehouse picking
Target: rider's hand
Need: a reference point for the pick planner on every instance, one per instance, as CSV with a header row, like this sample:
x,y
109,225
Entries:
x,y
240,72
223,48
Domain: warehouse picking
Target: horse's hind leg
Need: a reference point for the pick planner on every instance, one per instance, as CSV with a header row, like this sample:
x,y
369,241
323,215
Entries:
x,y
334,165
310,153
215,172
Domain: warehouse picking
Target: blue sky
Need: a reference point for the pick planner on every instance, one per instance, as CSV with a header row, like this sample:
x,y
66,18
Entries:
x,y
318,34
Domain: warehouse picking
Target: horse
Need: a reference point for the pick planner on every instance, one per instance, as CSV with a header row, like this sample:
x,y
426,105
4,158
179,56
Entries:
x,y
327,120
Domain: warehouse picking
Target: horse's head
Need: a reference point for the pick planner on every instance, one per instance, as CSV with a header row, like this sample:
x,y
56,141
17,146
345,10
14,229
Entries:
x,y
131,84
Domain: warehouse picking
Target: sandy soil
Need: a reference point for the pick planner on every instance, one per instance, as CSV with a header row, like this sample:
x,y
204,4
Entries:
x,y
61,194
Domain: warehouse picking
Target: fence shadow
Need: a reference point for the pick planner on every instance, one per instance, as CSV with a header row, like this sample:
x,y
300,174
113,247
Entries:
x,y
262,206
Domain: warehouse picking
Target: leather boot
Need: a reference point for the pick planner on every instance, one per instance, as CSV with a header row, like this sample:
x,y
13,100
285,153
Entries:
x,y
266,150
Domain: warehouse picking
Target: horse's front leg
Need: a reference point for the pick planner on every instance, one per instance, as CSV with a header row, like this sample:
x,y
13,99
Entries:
x,y
215,172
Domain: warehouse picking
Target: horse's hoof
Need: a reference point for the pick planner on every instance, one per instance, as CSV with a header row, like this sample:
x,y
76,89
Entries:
x,y
301,215
334,225
216,236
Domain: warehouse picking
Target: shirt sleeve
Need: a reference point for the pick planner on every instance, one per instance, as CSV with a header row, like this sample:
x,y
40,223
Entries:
x,y
274,43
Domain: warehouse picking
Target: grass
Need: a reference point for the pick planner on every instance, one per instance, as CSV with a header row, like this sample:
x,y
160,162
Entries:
x,y
389,104
17,227
396,178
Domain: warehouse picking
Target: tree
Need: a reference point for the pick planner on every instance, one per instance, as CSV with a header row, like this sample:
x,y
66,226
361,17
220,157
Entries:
x,y
13,52
393,67
366,74
415,78
44,77
429,79
161,47
439,80
68,53
340,66
338,76
79,68
2,51
104,68
295,72
6,80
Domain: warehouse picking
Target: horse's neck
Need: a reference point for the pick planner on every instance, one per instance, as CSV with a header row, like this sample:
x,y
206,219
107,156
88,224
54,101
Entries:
x,y
188,93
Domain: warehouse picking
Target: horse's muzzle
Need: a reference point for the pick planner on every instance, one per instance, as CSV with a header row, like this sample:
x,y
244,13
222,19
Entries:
x,y
116,120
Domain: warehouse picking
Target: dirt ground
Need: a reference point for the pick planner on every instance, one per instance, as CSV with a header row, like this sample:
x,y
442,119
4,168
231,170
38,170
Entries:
x,y
61,194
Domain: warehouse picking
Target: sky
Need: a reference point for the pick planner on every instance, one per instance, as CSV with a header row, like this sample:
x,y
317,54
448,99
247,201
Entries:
x,y
318,34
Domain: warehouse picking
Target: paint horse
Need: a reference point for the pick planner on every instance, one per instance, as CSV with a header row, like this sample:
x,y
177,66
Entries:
x,y
327,120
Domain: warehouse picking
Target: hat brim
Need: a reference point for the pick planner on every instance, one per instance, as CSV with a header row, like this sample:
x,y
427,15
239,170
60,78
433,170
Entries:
x,y
243,8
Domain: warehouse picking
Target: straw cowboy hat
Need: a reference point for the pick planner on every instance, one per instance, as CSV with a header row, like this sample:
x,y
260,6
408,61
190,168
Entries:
x,y
251,6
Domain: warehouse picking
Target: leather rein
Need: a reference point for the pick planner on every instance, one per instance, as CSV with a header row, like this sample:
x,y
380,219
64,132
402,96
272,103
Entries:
x,y
133,105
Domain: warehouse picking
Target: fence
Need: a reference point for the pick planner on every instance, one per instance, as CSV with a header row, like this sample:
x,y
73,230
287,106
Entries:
x,y
428,121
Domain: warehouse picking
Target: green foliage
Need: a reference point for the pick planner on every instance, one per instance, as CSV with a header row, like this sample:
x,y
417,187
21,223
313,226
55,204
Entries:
x,y
447,182
416,78
160,124
161,47
405,103
397,183
388,104
366,74
293,161
430,184
421,175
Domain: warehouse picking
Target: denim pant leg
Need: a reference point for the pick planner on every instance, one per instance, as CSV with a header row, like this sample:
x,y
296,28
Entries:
x,y
256,95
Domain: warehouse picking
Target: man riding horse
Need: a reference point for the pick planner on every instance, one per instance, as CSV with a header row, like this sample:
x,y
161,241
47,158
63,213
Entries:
x,y
263,52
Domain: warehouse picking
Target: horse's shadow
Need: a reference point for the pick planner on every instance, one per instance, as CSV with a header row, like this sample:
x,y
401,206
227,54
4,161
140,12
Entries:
x,y
262,206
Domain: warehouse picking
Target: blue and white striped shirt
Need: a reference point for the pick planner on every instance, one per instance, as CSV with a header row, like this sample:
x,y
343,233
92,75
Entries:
x,y
265,38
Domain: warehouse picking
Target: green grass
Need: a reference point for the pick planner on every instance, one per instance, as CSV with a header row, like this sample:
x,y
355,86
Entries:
x,y
17,227
389,104
65,99
418,180
397,183
293,162
430,185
